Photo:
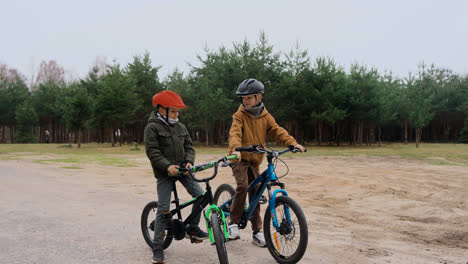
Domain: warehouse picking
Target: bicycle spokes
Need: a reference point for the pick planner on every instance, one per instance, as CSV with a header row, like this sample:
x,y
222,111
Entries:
x,y
285,238
224,200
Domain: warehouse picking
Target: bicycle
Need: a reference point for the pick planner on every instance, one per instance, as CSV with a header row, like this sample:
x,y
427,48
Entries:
x,y
284,222
176,228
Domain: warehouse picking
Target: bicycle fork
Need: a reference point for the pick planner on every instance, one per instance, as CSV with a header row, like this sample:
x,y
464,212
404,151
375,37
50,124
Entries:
x,y
209,226
272,205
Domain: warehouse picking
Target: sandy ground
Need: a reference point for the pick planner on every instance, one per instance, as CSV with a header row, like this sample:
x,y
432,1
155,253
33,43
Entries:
x,y
358,209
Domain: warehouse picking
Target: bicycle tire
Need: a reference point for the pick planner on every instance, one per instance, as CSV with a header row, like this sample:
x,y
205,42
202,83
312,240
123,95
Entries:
x,y
219,238
220,191
146,223
289,231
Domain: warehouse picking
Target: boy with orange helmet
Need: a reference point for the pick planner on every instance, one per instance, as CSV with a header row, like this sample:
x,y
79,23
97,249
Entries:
x,y
169,146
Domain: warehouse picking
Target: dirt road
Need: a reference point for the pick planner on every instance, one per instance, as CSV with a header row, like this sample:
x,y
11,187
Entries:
x,y
359,210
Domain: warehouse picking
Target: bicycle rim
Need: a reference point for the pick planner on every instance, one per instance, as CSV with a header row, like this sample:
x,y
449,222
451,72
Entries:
x,y
288,243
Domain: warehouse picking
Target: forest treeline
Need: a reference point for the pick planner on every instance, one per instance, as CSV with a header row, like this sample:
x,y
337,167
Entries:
x,y
315,99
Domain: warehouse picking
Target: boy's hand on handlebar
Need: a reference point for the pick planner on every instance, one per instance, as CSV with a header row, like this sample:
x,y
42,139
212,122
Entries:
x,y
172,169
238,156
300,147
187,166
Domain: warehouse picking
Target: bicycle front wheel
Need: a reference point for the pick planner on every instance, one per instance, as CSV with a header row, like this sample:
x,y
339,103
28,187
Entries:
x,y
287,243
148,218
222,194
219,238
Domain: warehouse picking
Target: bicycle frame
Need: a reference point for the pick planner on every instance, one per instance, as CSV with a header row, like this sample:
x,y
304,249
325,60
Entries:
x,y
267,179
200,202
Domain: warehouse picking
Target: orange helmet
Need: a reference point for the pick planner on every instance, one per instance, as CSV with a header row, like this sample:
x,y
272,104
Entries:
x,y
168,98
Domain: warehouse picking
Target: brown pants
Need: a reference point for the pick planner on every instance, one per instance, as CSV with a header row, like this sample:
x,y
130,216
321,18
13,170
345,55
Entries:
x,y
244,173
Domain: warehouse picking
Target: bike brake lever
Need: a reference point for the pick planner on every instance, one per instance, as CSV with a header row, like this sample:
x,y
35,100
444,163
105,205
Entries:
x,y
225,163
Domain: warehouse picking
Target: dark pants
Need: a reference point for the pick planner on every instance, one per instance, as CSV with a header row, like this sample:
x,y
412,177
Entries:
x,y
244,173
164,187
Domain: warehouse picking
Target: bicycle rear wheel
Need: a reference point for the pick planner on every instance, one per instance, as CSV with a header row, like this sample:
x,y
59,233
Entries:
x,y
287,244
222,194
148,218
219,238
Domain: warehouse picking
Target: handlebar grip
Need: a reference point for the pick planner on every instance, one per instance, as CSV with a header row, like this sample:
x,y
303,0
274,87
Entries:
x,y
232,157
178,172
249,149
298,150
293,148
182,170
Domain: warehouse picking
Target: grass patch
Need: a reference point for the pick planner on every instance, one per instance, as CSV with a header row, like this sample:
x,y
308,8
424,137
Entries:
x,y
105,154
106,160
440,154
9,158
72,168
61,149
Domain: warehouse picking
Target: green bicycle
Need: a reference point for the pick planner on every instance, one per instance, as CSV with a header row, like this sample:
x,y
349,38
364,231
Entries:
x,y
176,227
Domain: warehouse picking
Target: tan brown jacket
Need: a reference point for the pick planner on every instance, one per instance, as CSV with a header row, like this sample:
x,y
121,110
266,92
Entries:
x,y
246,130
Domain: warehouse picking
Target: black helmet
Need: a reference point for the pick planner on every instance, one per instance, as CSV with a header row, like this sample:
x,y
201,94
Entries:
x,y
250,86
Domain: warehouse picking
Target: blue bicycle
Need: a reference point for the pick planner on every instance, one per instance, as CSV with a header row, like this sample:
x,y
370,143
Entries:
x,y
284,224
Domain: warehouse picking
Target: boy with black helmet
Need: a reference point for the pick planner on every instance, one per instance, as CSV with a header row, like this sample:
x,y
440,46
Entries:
x,y
168,146
250,126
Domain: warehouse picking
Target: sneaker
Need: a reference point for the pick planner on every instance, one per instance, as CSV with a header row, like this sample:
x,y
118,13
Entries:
x,y
259,239
158,254
233,230
197,234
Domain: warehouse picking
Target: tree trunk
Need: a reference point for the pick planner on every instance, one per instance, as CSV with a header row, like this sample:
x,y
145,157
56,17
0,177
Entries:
x,y
446,132
12,134
406,131
320,130
418,134
121,135
379,129
79,138
2,134
112,136
367,131
361,128
207,131
434,133
372,134
337,134
51,132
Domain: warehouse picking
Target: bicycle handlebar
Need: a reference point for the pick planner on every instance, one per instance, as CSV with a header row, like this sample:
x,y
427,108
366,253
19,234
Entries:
x,y
203,167
248,149
260,150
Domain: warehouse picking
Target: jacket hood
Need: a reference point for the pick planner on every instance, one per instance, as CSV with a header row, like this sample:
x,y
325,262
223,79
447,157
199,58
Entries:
x,y
153,118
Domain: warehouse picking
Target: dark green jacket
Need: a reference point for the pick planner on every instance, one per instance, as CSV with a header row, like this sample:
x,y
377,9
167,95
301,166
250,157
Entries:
x,y
167,145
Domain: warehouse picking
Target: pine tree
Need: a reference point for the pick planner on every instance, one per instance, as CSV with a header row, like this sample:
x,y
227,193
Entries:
x,y
26,118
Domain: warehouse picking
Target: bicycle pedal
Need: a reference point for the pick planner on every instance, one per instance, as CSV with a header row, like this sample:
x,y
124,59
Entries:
x,y
195,241
263,200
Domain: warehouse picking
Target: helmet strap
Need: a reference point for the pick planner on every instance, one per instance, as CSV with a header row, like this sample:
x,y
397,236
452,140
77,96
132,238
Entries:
x,y
167,115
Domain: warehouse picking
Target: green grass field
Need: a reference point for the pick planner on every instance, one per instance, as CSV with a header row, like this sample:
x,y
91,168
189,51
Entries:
x,y
105,154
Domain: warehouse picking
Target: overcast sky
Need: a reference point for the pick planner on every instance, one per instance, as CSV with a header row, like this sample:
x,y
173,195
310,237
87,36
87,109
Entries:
x,y
389,35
